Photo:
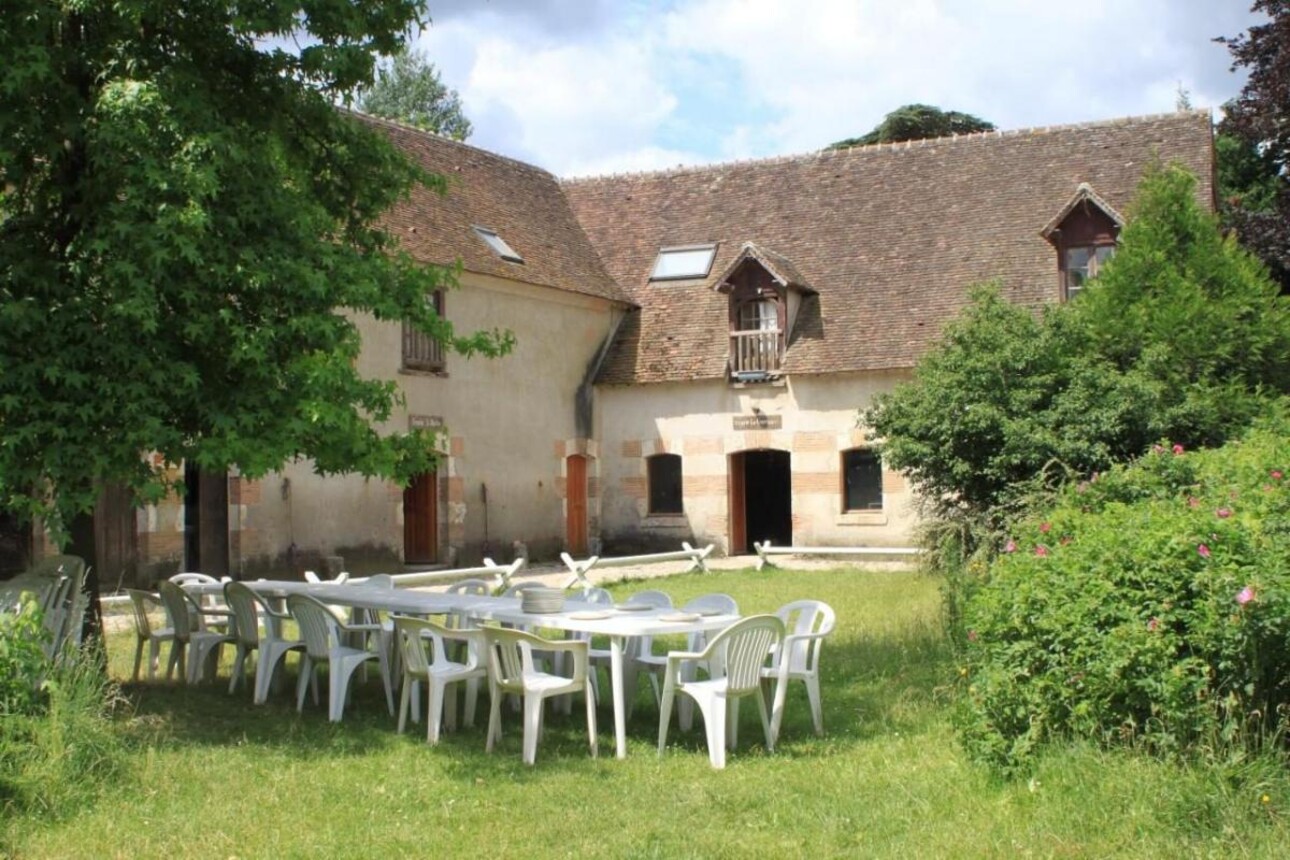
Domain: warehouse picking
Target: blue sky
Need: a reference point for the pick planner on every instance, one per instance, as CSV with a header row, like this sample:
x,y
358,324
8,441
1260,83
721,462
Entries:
x,y
596,86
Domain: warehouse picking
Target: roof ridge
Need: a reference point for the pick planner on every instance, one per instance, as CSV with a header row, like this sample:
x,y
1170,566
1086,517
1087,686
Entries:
x,y
878,147
443,138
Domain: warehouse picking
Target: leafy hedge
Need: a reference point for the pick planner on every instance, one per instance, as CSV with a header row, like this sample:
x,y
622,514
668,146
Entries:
x,y
1149,605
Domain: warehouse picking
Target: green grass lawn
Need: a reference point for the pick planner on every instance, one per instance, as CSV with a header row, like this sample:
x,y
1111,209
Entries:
x,y
213,776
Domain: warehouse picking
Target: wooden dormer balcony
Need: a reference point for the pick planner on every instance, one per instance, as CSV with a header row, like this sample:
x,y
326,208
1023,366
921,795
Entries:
x,y
755,352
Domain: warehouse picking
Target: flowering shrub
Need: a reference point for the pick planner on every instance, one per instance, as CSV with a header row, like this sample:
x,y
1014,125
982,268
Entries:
x,y
1150,604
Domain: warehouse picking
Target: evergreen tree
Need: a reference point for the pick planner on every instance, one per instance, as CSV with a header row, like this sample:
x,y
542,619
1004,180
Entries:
x,y
407,89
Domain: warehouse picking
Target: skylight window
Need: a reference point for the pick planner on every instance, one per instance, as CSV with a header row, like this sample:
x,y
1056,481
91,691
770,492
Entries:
x,y
498,244
690,261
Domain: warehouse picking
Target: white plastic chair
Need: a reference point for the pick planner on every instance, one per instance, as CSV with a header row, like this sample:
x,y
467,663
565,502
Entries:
x,y
141,603
479,587
735,658
322,632
511,669
191,640
806,623
654,664
265,639
635,646
438,672
214,614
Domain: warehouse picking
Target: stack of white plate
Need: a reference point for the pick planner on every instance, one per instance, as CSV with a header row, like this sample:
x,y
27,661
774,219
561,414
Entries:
x,y
542,601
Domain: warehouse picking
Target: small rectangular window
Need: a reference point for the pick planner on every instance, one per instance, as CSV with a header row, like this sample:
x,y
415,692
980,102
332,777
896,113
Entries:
x,y
690,261
1084,263
420,350
498,244
665,484
862,481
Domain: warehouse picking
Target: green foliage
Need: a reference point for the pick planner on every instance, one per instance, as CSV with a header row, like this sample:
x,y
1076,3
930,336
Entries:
x,y
917,122
1181,337
22,657
1253,144
61,753
407,89
1149,605
187,229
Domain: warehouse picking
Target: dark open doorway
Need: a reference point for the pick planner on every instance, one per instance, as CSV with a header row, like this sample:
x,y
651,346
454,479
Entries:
x,y
761,499
205,521
106,538
15,545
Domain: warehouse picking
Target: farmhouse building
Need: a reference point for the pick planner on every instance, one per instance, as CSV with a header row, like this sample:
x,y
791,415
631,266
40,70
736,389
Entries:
x,y
693,346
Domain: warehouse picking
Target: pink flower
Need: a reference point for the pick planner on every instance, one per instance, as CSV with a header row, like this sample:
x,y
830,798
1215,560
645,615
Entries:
x,y
1178,449
1046,527
1157,449
1246,595
1010,546
1193,502
1153,625
1223,513
1276,474
1041,550
1203,550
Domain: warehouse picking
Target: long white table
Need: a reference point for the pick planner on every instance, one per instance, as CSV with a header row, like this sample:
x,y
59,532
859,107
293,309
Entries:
x,y
618,627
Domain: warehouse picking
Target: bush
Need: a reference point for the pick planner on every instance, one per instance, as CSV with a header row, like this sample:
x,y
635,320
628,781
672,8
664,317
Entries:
x,y
58,742
1149,605
1182,336
22,657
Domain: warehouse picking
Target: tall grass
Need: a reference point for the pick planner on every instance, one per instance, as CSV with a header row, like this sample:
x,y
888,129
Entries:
x,y
213,776
56,754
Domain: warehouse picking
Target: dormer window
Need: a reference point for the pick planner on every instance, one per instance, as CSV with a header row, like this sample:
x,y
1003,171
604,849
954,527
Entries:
x,y
683,263
1084,233
765,293
498,245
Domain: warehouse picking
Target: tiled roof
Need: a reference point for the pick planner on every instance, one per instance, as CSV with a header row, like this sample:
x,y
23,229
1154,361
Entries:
x,y
523,204
890,236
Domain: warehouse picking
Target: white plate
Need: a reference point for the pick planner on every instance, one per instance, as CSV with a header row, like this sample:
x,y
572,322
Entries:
x,y
679,616
634,607
588,616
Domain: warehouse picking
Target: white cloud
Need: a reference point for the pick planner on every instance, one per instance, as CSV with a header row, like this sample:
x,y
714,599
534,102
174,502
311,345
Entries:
x,y
642,85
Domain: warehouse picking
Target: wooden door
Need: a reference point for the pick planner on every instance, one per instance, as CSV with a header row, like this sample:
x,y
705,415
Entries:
x,y
576,504
421,519
738,509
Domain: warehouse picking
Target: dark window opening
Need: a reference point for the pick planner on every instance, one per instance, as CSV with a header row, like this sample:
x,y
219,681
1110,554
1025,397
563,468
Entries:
x,y
665,484
862,481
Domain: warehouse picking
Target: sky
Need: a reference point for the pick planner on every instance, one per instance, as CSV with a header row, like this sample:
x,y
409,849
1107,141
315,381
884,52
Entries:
x,y
584,87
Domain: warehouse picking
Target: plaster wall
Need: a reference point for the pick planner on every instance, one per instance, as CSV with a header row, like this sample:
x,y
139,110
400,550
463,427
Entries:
x,y
814,418
506,427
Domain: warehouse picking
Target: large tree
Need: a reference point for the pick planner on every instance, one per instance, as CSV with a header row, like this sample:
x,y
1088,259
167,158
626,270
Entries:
x,y
1254,141
408,89
188,227
917,122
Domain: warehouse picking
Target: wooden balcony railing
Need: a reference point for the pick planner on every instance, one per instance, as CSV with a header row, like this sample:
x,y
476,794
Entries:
x,y
420,351
754,351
